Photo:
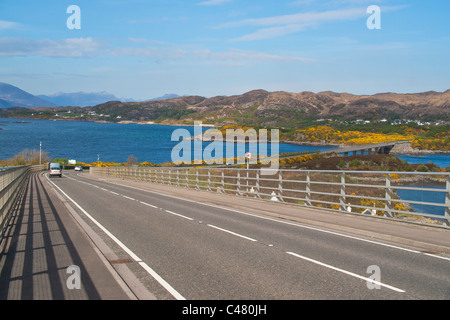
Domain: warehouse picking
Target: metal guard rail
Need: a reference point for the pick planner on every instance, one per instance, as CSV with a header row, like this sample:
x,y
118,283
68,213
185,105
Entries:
x,y
363,192
11,181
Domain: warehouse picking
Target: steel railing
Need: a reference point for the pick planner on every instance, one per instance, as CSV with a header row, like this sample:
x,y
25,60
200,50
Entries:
x,y
376,193
12,180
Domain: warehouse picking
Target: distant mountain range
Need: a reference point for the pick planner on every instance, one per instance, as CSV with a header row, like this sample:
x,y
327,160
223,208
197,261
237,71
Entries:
x,y
78,99
11,96
256,107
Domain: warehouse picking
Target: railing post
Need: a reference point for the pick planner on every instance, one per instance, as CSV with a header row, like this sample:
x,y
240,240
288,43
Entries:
x,y
280,185
209,179
257,184
308,188
247,190
388,203
238,182
196,178
342,197
447,202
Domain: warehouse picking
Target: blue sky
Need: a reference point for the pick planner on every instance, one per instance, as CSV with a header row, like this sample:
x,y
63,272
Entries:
x,y
142,49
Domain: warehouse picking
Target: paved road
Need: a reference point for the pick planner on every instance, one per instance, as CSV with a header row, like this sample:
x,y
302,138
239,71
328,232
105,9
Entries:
x,y
40,248
178,248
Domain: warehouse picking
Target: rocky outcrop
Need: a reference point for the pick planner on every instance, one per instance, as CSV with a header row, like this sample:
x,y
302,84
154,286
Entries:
x,y
406,148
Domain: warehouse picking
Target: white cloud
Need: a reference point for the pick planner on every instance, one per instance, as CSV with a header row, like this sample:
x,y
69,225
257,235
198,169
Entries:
x,y
66,48
273,32
8,25
243,55
276,26
300,18
144,40
213,2
83,48
149,52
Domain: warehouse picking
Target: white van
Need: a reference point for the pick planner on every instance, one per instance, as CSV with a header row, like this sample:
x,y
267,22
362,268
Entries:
x,y
55,170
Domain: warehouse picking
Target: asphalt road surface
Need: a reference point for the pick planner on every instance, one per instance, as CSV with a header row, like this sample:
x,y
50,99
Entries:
x,y
181,249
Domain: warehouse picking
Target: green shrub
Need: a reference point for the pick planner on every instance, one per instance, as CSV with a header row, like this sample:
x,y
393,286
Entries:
x,y
422,168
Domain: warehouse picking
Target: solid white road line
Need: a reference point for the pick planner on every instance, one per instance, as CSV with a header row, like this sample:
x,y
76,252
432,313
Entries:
x,y
436,256
160,280
231,232
346,272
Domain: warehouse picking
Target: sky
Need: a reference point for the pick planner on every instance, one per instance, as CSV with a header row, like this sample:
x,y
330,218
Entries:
x,y
142,49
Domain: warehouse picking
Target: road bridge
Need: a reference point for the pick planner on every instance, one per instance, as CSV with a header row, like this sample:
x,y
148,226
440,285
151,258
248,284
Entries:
x,y
134,239
375,148
365,149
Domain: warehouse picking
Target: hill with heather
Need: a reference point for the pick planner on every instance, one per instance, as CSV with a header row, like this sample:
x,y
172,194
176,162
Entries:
x,y
278,108
260,108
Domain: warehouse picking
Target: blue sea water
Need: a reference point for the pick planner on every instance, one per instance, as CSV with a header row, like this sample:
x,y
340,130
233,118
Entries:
x,y
441,160
87,141
430,195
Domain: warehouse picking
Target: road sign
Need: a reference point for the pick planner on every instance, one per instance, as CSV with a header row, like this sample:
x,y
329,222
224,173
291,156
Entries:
x,y
248,155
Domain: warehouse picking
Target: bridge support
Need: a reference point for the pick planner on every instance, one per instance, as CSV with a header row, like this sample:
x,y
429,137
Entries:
x,y
385,149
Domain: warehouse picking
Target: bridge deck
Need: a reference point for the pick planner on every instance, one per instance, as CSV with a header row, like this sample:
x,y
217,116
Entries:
x,y
43,239
373,148
41,242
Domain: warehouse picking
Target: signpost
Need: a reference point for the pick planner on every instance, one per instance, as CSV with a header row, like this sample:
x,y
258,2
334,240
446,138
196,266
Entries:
x,y
248,156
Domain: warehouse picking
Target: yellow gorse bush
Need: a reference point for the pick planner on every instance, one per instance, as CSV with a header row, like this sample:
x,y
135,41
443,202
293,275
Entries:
x,y
330,135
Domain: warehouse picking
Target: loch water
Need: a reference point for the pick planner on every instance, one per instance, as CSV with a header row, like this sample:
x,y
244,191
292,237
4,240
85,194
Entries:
x,y
109,142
